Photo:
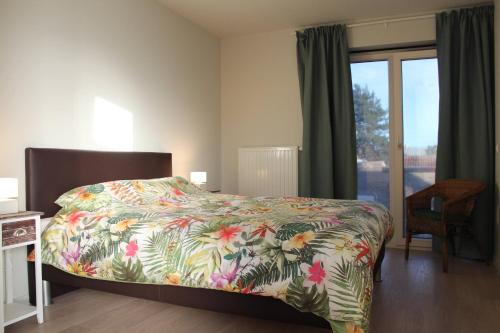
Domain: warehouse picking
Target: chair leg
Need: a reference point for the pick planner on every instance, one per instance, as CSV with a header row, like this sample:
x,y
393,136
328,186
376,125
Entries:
x,y
445,254
451,237
407,246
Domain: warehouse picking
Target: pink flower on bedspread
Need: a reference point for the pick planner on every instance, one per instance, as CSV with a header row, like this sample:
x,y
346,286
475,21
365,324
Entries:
x,y
316,272
367,208
167,202
70,257
313,274
88,269
221,280
75,217
131,248
333,220
70,260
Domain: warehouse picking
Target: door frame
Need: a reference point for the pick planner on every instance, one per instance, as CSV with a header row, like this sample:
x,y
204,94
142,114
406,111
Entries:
x,y
396,135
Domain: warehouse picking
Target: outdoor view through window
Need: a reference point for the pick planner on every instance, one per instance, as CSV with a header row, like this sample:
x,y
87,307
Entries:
x,y
370,86
420,103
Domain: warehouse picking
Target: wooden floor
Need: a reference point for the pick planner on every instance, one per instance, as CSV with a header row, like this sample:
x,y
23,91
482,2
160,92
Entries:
x,y
413,297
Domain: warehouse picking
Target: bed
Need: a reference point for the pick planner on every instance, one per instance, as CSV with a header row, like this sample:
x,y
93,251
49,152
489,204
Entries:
x,y
127,226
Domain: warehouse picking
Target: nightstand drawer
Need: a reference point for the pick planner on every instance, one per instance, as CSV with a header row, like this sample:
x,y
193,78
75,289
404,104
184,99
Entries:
x,y
18,232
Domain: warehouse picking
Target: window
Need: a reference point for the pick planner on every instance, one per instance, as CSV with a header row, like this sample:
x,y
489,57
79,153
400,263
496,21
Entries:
x,y
420,124
396,102
370,87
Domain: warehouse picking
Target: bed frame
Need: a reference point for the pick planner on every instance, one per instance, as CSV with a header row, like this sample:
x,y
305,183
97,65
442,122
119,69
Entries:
x,y
51,172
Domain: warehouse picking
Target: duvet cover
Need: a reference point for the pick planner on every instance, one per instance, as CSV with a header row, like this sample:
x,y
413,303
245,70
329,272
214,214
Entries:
x,y
316,255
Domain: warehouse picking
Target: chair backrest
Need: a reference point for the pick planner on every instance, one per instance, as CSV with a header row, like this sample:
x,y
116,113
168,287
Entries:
x,y
459,188
454,188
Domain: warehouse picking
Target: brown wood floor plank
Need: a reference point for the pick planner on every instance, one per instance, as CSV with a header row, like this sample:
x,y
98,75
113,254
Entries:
x,y
414,296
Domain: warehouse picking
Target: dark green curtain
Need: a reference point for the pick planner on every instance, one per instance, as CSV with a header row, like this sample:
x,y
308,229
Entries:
x,y
327,162
466,137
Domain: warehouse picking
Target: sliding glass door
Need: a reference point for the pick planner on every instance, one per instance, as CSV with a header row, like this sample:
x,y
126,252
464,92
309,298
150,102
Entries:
x,y
396,101
420,93
370,87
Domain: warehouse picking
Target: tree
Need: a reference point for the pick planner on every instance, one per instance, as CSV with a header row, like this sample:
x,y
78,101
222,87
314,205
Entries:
x,y
372,130
431,150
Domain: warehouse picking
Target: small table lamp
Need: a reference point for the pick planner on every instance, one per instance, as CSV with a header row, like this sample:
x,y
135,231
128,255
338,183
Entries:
x,y
199,178
8,195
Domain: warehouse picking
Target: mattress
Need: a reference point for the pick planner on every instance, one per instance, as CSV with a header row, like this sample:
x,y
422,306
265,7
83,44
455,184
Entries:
x,y
316,255
45,222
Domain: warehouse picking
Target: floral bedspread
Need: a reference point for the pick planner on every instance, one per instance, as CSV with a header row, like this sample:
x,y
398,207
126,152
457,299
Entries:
x,y
317,255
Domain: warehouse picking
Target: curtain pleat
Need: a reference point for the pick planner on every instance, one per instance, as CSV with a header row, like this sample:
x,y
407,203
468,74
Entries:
x,y
466,138
327,162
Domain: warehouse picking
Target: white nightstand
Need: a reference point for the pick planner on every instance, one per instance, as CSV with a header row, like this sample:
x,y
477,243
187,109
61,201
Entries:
x,y
19,229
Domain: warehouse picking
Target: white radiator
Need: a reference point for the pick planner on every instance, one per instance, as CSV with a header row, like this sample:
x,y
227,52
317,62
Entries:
x,y
268,171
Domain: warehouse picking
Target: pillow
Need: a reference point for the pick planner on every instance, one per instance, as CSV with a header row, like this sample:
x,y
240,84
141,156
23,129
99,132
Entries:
x,y
95,196
181,184
137,192
82,193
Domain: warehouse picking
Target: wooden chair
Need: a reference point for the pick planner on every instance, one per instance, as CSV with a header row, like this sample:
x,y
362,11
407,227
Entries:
x,y
458,199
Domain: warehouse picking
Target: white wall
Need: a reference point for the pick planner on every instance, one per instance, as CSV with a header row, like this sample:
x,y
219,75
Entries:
x,y
260,103
57,57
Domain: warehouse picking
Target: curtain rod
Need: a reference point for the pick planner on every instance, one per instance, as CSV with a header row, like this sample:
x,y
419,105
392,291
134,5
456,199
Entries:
x,y
393,20
376,22
386,21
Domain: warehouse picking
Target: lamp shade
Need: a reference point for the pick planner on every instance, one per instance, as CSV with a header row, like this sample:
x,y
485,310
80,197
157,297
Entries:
x,y
198,177
8,188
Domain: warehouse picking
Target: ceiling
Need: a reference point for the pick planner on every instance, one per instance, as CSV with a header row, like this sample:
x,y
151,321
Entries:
x,y
229,18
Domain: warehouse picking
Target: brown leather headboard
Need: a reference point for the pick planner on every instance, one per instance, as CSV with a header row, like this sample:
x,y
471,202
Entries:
x,y
52,172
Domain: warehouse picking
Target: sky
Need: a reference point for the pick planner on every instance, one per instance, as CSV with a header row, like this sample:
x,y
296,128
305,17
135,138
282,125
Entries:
x,y
420,96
